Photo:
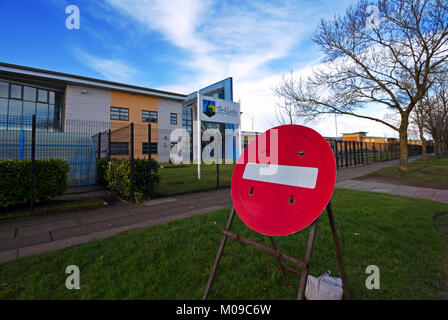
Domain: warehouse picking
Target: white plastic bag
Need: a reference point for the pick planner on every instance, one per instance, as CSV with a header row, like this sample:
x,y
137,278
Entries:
x,y
324,287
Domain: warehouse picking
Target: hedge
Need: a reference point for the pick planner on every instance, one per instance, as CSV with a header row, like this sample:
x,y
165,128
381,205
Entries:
x,y
117,177
50,180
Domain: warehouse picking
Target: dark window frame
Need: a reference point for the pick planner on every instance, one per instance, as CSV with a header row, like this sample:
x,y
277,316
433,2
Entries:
x,y
117,148
154,114
123,113
10,93
175,118
154,148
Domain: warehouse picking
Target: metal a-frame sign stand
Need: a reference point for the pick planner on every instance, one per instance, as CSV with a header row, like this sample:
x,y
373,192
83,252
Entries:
x,y
279,256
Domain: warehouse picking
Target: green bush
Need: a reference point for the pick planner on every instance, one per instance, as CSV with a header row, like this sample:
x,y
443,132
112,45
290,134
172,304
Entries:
x,y
118,178
101,167
50,180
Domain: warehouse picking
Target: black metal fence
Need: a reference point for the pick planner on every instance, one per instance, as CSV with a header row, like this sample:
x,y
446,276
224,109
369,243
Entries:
x,y
84,145
355,153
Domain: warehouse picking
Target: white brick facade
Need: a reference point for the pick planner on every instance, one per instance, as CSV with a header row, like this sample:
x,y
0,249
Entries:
x,y
166,107
83,105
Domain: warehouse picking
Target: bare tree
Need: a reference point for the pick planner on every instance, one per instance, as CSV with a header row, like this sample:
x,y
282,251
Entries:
x,y
391,62
252,121
285,114
418,119
436,117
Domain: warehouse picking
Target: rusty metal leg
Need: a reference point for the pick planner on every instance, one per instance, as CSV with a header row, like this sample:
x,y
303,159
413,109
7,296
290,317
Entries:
x,y
309,251
277,258
338,252
218,256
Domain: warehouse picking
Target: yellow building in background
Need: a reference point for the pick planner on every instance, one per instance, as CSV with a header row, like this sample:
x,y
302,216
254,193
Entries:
x,y
362,136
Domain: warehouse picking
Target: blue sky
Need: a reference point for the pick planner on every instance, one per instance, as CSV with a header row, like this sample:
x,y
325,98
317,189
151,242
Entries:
x,y
178,46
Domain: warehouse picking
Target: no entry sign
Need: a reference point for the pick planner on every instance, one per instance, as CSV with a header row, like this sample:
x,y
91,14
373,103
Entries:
x,y
283,180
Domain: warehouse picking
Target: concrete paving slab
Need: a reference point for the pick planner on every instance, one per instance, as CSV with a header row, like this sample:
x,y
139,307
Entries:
x,y
27,221
104,216
405,191
347,184
384,188
425,193
81,230
364,186
134,219
15,243
46,227
159,201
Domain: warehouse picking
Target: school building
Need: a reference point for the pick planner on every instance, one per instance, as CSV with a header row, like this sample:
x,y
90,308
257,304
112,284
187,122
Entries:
x,y
66,103
364,138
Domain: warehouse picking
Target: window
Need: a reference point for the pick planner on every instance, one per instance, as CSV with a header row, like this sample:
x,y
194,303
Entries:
x,y
119,148
16,92
4,89
119,113
42,96
149,116
18,103
173,118
187,122
153,147
29,94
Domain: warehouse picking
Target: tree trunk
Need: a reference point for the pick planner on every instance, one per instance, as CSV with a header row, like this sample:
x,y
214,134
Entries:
x,y
422,138
404,145
437,153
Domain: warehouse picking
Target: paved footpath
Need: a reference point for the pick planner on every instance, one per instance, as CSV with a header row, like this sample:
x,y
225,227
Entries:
x,y
398,190
345,180
28,236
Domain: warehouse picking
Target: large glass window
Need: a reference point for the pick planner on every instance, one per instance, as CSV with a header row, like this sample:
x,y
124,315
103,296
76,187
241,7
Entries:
x,y
29,108
4,89
187,122
119,113
42,111
18,103
29,94
3,113
15,108
149,116
16,92
42,95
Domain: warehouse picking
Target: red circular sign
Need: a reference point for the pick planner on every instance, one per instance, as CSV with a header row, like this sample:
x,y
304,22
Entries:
x,y
283,180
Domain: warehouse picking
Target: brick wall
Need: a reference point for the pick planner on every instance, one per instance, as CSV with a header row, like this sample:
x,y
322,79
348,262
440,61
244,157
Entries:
x,y
86,109
165,108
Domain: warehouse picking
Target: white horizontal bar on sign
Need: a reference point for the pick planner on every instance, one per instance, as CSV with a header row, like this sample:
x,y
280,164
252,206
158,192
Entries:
x,y
303,177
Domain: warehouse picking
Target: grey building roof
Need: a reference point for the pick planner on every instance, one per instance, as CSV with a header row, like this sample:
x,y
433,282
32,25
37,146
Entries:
x,y
12,71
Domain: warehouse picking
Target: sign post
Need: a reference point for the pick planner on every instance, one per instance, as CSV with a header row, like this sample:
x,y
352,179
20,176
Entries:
x,y
281,184
198,138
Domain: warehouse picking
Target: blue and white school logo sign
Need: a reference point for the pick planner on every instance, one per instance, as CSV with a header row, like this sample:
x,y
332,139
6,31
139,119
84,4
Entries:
x,y
209,108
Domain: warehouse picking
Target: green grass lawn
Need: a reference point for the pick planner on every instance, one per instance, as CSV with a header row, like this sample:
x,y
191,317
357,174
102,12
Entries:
x,y
185,179
434,174
404,237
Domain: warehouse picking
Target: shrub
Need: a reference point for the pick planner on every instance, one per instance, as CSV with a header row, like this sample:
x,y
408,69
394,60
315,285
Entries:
x,y
101,166
50,180
118,178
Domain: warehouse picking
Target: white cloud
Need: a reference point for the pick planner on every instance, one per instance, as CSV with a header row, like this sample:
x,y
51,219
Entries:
x,y
110,69
226,38
219,38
